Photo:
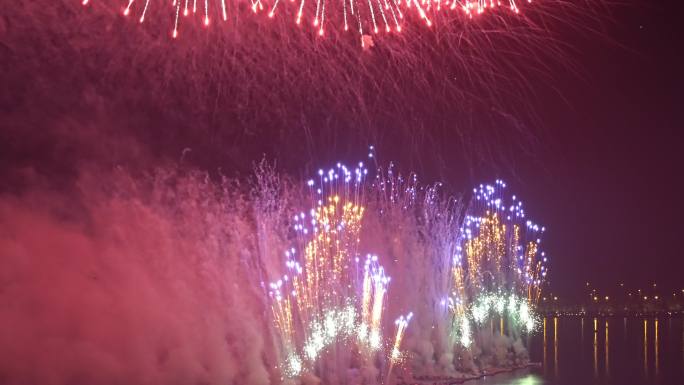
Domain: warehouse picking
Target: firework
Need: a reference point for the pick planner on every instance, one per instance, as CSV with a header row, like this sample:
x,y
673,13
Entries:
x,y
481,262
498,268
501,246
364,16
331,299
402,323
460,268
517,309
396,355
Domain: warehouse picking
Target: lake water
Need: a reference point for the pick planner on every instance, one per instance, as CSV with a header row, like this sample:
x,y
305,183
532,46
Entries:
x,y
603,350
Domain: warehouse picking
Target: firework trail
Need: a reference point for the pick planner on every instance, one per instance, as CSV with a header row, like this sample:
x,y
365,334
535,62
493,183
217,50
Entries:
x,y
460,268
261,86
498,268
480,263
396,355
500,246
364,16
329,306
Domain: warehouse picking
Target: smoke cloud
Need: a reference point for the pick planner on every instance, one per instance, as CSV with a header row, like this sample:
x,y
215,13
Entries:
x,y
158,277
139,283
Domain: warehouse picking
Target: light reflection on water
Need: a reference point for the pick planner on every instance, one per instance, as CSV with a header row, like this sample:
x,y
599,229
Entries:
x,y
555,346
521,378
544,363
595,350
656,345
639,351
646,347
607,350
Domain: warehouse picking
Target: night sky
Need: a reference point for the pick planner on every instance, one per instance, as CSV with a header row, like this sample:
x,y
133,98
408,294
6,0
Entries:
x,y
604,173
609,184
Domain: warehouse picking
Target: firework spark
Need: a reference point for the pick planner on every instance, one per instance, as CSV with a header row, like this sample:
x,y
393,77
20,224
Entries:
x,y
498,268
402,323
330,298
364,16
502,246
465,261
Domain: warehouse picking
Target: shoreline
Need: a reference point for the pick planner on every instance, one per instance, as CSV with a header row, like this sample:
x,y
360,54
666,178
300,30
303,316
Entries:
x,y
438,380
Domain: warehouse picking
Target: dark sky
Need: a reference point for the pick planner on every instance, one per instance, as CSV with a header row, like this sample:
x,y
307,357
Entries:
x,y
610,186
605,176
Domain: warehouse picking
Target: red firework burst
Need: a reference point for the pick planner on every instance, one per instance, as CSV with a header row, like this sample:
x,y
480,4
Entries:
x,y
365,16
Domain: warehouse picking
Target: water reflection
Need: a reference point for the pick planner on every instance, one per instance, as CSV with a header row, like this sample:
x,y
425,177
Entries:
x,y
595,348
530,379
638,351
656,346
607,359
544,363
646,347
581,339
510,379
555,346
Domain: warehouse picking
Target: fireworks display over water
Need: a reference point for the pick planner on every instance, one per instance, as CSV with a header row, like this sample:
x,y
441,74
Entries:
x,y
148,237
330,308
364,16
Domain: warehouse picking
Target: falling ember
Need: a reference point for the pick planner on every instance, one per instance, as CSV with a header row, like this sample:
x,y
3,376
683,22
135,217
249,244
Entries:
x,y
377,15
